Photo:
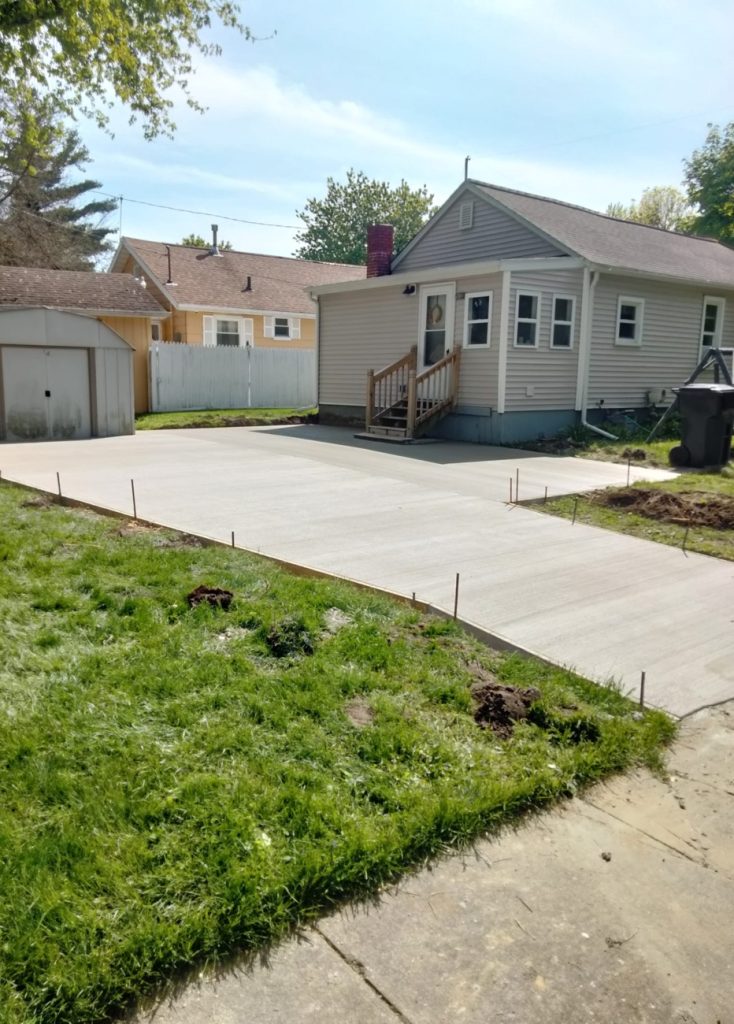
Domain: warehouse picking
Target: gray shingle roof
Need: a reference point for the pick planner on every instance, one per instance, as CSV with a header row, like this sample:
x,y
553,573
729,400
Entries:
x,y
76,290
277,283
618,243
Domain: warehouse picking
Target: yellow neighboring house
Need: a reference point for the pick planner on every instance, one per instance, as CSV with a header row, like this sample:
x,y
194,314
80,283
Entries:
x,y
217,297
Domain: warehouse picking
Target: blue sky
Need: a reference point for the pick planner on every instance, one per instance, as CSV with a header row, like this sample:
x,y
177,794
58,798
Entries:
x,y
584,101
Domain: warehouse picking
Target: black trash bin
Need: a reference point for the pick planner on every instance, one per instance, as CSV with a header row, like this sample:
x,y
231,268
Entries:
x,y
707,414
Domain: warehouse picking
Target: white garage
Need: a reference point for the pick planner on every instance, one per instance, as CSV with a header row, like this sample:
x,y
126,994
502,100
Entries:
x,y
63,376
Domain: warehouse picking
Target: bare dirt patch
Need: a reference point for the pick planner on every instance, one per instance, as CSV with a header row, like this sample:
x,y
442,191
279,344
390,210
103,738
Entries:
x,y
213,596
42,501
697,508
497,706
288,638
359,713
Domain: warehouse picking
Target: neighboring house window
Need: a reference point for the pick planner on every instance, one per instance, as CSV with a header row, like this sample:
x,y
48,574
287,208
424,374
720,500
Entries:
x,y
155,330
712,322
466,215
477,318
285,328
630,313
564,307
526,319
231,331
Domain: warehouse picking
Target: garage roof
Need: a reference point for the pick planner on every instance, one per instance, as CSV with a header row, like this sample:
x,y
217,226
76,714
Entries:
x,y
76,290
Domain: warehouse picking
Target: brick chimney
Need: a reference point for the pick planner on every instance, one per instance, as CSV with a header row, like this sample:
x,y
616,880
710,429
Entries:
x,y
379,249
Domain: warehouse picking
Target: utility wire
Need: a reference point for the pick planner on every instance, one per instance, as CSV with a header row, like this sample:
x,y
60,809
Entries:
x,y
203,213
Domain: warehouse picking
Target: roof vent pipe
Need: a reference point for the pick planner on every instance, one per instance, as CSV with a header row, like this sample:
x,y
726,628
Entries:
x,y
214,251
170,275
248,284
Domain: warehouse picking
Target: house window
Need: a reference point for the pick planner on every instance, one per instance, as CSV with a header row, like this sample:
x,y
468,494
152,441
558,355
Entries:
x,y
526,319
466,215
629,320
712,322
284,328
564,307
231,331
477,318
155,330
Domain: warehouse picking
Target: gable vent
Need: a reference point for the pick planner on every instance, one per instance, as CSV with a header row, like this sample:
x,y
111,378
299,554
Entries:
x,y
466,215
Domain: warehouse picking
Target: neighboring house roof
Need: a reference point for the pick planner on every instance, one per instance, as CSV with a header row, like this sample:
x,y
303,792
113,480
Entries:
x,y
76,290
204,281
615,243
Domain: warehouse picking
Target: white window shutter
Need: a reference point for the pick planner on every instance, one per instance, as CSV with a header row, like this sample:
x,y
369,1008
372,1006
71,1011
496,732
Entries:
x,y
248,332
210,331
294,327
269,330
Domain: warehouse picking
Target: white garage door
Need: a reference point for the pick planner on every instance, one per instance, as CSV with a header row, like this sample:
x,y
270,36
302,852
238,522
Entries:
x,y
46,393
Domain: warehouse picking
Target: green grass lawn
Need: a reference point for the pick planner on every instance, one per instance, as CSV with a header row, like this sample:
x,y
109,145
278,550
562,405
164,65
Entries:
x,y
705,539
177,784
219,418
656,452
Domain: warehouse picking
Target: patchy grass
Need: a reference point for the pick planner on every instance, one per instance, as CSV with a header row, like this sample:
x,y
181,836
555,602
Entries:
x,y
221,418
653,454
592,508
177,783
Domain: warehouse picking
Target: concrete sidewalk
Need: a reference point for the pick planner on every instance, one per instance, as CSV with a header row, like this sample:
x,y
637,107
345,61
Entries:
x,y
409,518
615,908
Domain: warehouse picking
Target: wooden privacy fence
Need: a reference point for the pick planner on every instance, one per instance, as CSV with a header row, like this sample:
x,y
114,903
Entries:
x,y
193,377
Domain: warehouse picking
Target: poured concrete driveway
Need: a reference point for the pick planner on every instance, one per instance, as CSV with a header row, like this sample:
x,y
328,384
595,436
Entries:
x,y
409,518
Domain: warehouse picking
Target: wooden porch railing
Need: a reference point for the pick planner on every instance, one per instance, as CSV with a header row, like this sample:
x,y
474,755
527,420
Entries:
x,y
388,388
437,388
398,392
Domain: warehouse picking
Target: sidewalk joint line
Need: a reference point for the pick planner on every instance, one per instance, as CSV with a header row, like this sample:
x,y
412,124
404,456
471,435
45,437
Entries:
x,y
359,968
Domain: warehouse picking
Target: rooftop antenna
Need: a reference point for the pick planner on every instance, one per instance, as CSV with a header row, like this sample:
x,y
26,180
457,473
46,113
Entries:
x,y
466,167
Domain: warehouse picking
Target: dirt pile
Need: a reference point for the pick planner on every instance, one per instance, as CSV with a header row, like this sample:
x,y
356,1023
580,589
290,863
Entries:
x,y
694,508
213,596
498,707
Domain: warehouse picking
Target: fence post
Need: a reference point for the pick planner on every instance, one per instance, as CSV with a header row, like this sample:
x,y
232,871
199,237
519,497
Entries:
x,y
370,399
412,399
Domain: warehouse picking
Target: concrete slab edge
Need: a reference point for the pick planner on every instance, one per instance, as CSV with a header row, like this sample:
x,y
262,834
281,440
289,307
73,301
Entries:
x,y
495,641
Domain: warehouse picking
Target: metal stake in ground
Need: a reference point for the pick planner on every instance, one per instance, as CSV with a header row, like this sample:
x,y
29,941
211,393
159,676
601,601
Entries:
x,y
135,507
685,537
629,460
642,691
517,485
575,506
232,538
545,496
58,483
510,490
456,597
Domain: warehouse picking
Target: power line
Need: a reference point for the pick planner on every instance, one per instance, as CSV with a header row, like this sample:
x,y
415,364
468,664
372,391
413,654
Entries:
x,y
203,213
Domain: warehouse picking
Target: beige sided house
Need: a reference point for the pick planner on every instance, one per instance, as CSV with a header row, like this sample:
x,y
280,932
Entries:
x,y
74,350
220,297
510,316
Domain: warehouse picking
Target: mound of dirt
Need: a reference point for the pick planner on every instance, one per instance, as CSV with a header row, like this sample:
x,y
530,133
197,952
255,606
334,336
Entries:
x,y
694,508
498,707
214,596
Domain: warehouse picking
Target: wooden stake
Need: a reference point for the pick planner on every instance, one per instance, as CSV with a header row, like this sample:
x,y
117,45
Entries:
x,y
685,536
232,538
629,459
413,600
517,485
58,483
510,490
456,597
135,507
545,496
642,690
575,506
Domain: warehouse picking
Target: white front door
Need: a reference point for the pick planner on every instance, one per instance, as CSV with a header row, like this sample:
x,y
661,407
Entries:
x,y
436,323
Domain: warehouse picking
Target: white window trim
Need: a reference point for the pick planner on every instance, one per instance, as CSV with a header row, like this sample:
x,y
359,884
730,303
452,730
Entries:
x,y
720,302
294,327
566,323
245,330
526,319
630,300
467,322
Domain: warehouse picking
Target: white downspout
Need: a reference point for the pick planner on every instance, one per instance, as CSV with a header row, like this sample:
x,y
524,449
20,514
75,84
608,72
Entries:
x,y
590,282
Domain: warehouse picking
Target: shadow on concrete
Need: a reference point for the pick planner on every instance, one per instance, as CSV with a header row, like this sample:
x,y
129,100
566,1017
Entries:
x,y
430,450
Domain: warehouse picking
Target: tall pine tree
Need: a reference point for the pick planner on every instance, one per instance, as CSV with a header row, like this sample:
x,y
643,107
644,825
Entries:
x,y
47,218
